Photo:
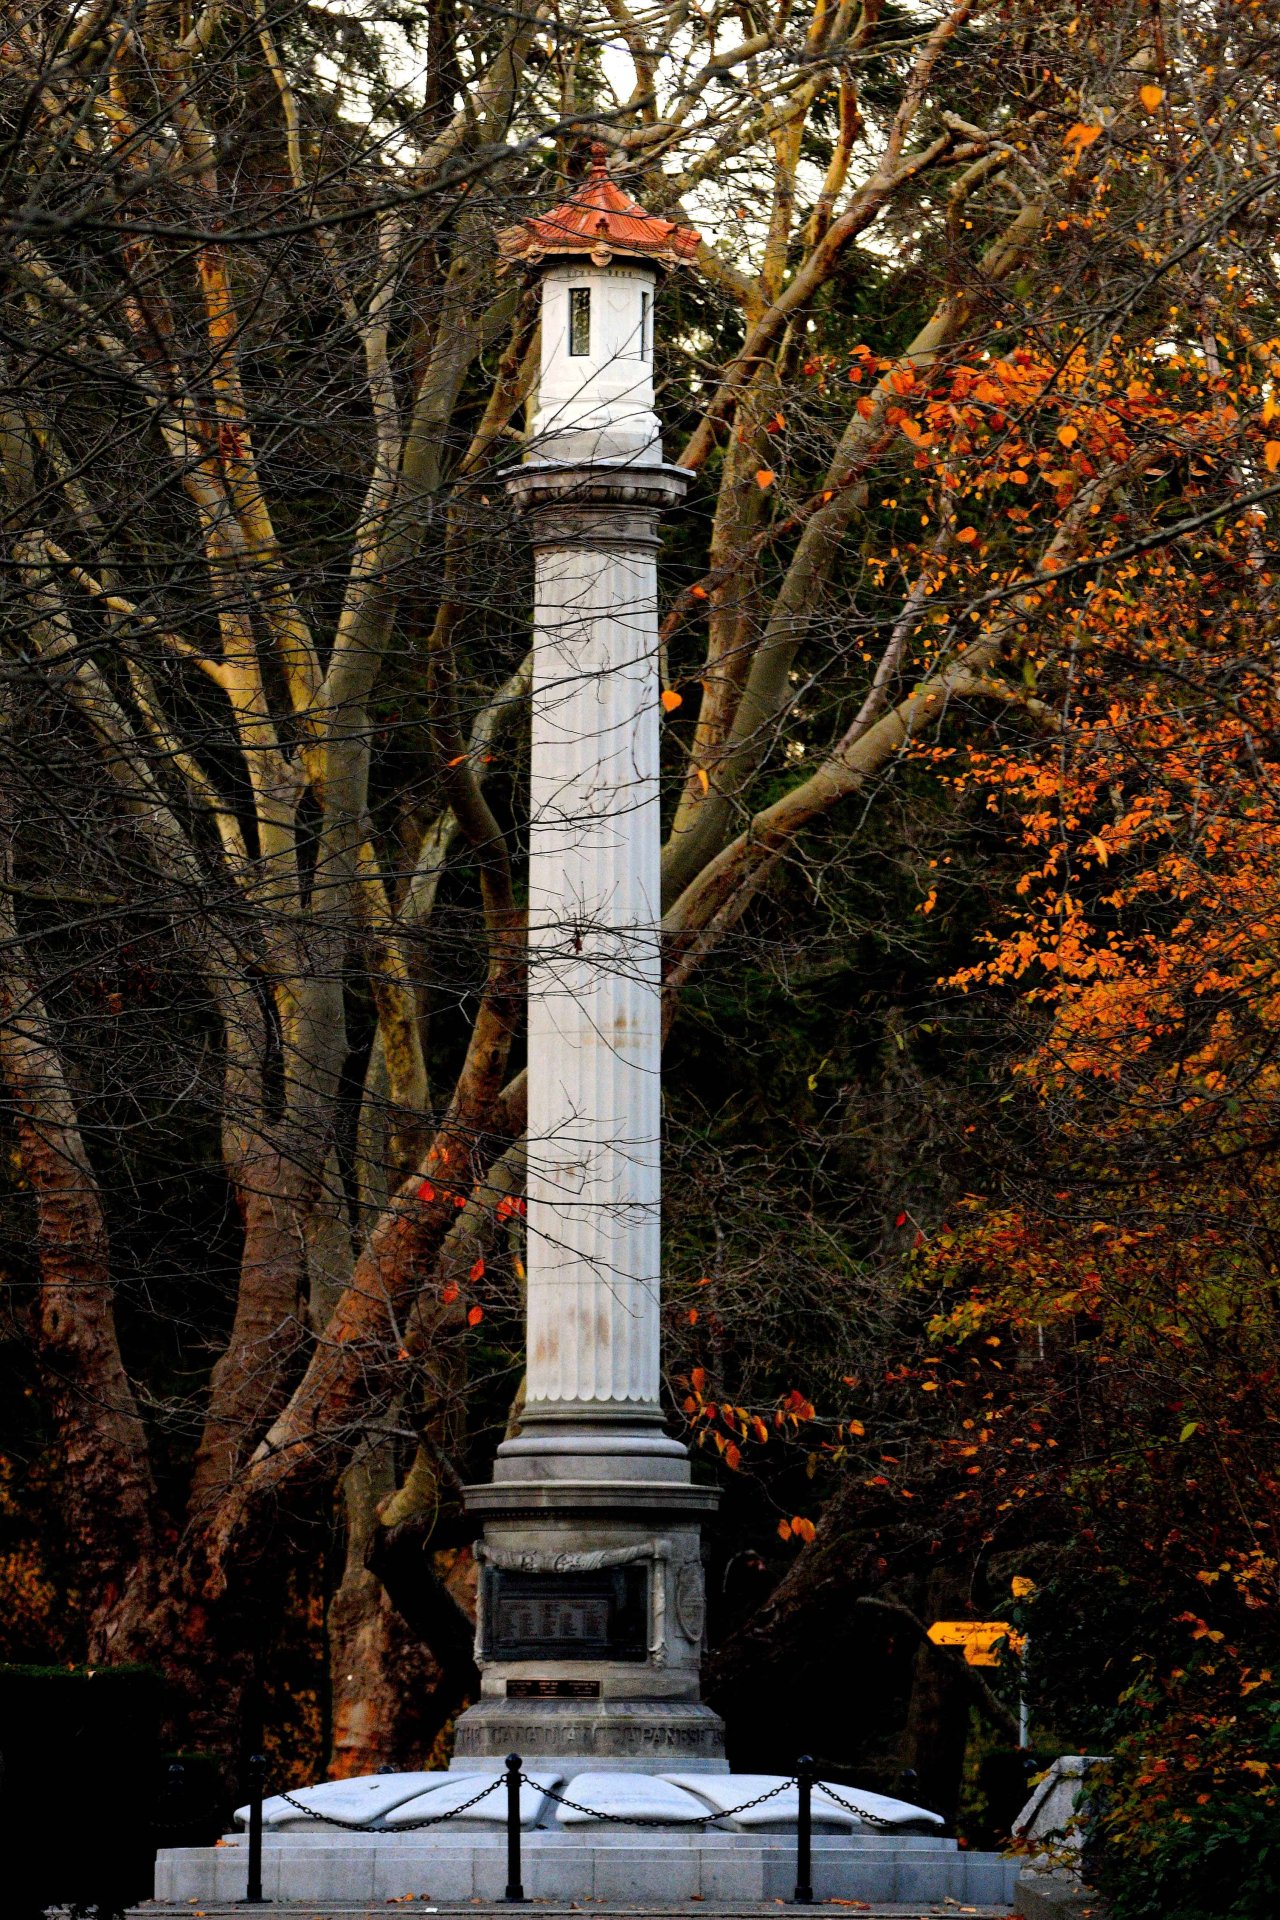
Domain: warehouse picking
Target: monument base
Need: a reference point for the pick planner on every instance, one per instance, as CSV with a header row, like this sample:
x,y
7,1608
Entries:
x,y
632,1868
591,1609
597,1835
574,1735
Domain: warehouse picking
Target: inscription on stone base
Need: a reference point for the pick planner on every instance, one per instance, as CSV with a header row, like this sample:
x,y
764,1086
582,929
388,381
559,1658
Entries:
x,y
597,1615
600,1742
553,1689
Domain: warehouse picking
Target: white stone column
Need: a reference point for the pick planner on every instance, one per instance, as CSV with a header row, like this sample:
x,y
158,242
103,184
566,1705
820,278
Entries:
x,y
593,1255
594,1110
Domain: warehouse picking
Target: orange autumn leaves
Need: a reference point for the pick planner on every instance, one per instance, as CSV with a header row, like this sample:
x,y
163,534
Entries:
x,y
797,1528
729,1427
1143,833
1032,423
509,1207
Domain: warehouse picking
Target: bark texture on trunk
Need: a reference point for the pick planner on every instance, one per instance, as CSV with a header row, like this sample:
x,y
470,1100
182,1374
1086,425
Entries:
x,y
384,1681
106,1469
252,1375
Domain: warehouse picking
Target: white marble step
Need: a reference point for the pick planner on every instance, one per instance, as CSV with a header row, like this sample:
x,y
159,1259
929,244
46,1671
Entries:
x,y
489,1812
628,1796
362,1800
723,1791
392,1802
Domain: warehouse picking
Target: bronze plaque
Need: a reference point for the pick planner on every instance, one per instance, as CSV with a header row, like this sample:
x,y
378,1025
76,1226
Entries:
x,y
600,1615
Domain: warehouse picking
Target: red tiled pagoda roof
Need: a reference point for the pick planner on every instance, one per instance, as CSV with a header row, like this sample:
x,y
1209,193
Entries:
x,y
598,220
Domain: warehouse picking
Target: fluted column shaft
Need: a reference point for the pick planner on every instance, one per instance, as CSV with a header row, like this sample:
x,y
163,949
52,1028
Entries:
x,y
594,960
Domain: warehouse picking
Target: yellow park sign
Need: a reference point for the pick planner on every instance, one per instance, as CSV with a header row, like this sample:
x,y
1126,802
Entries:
x,y
983,1640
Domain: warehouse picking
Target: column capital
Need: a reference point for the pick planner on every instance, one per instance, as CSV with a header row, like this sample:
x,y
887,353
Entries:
x,y
601,501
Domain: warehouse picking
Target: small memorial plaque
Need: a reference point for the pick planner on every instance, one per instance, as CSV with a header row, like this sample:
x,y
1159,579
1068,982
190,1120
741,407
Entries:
x,y
600,1615
553,1689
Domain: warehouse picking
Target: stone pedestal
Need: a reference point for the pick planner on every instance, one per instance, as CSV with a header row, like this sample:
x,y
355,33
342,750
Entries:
x,y
591,1591
590,1630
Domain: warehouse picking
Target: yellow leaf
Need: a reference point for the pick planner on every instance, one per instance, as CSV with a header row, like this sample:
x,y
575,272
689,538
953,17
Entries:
x,y
765,477
1271,454
967,535
784,1529
928,1386
1080,136
671,699
1068,435
1151,96
1099,850
703,780
1270,408
1022,1586
856,1429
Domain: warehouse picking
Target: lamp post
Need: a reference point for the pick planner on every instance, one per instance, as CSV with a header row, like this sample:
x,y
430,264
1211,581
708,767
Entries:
x,y
591,1604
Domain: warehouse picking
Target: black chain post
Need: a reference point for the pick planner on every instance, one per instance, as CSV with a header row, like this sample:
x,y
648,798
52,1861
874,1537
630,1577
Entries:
x,y
257,1778
515,1890
804,1832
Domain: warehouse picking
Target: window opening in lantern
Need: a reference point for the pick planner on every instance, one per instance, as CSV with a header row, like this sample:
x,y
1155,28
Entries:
x,y
646,338
579,321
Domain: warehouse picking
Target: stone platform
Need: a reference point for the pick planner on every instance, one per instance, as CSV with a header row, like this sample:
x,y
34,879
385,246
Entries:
x,y
559,1910
642,1866
708,1846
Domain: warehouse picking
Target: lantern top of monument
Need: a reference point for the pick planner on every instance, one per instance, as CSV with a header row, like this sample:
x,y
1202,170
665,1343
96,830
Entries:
x,y
597,221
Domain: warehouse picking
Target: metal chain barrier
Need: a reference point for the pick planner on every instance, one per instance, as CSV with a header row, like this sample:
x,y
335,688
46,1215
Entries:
x,y
872,1819
577,1806
631,1820
513,1778
401,1826
618,1819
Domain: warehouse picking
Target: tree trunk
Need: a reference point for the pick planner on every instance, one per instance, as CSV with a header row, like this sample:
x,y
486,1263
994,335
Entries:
x,y
106,1477
937,1730
252,1377
384,1680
